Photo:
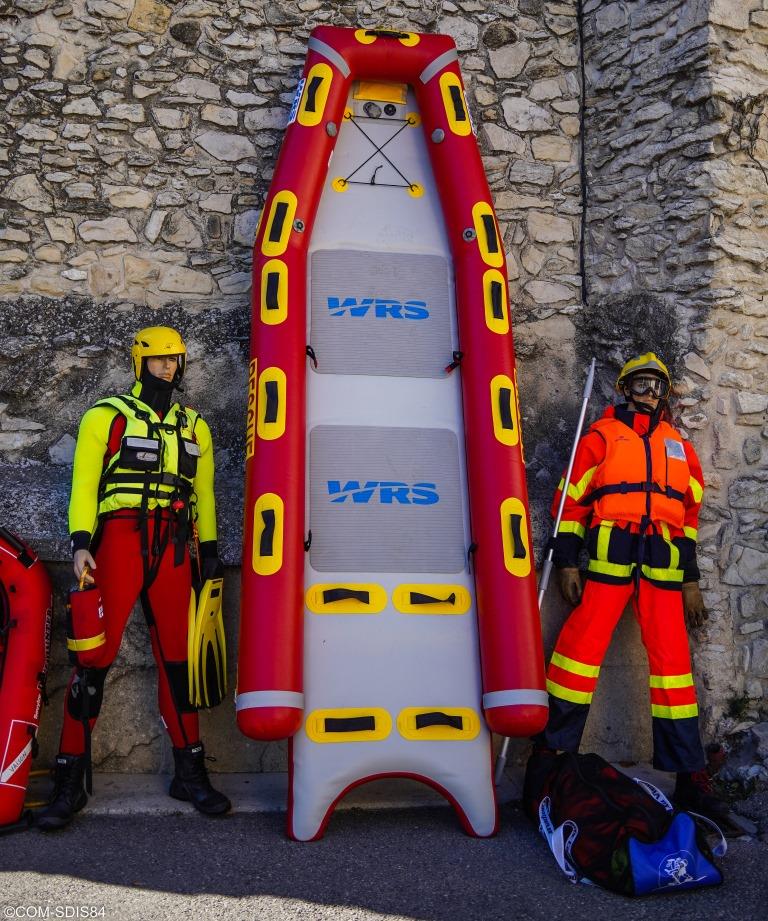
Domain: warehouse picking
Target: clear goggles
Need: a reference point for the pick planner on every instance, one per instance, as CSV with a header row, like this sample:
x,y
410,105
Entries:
x,y
645,385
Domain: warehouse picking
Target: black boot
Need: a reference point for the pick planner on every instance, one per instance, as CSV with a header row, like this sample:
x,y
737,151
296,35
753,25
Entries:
x,y
191,782
694,792
68,797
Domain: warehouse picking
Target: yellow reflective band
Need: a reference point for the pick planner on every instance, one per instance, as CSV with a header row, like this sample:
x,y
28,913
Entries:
x,y
83,645
664,530
431,599
575,697
671,681
267,550
250,425
604,539
354,598
487,234
279,224
577,490
274,292
506,426
693,533
514,536
456,109
270,407
662,573
438,732
328,725
315,95
680,712
572,527
496,302
696,489
410,39
571,665
619,570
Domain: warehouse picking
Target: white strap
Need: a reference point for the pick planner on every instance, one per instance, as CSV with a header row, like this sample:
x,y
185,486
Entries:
x,y
555,838
721,847
655,793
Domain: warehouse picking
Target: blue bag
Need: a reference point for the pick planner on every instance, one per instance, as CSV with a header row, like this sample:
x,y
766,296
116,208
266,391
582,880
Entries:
x,y
674,861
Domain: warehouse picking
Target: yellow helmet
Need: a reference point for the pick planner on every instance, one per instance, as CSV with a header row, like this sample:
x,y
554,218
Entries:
x,y
158,340
650,363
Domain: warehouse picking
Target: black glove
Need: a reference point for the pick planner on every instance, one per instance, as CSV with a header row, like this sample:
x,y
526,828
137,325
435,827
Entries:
x,y
211,566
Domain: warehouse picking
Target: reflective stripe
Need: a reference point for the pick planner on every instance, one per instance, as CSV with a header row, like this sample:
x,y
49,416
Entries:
x,y
434,67
577,490
517,698
693,533
572,527
682,711
696,489
575,697
571,665
604,539
662,573
83,645
252,699
671,681
330,54
620,570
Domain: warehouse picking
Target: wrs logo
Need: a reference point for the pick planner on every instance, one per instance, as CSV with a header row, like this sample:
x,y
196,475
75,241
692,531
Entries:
x,y
383,492
382,308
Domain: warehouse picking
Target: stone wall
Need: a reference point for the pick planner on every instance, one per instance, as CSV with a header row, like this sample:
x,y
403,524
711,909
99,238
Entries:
x,y
136,150
677,144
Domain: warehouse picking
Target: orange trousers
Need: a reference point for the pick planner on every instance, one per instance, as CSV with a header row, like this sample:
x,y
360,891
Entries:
x,y
581,646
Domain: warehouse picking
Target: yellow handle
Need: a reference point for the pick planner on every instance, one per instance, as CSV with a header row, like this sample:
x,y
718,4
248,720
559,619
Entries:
x,y
83,574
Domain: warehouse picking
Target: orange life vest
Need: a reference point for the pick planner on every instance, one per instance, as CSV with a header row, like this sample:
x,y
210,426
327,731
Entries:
x,y
641,476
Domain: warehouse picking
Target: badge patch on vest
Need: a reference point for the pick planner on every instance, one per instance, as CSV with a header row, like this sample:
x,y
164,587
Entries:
x,y
675,449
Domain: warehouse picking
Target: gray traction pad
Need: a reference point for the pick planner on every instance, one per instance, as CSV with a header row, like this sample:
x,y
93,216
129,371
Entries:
x,y
385,500
380,313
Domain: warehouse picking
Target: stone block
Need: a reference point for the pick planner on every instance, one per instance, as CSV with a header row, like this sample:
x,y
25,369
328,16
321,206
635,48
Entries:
x,y
125,196
549,228
110,230
463,31
494,137
551,147
27,191
149,16
154,225
226,147
697,365
179,280
178,230
106,277
546,292
196,88
244,227
509,60
220,202
219,115
62,452
524,115
751,402
732,13
170,118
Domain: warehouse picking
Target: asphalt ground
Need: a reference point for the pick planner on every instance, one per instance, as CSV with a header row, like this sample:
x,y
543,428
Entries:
x,y
372,864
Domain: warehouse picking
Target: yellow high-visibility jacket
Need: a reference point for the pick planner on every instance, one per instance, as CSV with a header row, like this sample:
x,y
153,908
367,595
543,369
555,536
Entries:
x,y
127,457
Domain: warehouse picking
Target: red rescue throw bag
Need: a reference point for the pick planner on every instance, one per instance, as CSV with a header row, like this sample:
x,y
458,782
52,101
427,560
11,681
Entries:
x,y
86,639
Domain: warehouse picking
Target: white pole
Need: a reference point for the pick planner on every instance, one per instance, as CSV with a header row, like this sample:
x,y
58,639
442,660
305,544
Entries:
x,y
546,569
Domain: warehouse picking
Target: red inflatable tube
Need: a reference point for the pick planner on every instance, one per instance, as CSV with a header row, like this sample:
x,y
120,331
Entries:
x,y
270,698
26,603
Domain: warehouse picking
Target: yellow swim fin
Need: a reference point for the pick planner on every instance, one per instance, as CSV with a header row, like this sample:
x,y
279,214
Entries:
x,y
207,647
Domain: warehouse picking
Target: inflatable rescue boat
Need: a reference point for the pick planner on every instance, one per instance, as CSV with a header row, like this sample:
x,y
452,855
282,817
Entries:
x,y
26,603
389,616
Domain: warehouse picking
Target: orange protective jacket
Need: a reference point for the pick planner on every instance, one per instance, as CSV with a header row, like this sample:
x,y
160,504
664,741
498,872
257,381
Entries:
x,y
641,481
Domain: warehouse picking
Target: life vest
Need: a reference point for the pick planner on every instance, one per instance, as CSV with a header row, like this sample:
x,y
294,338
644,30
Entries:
x,y
642,476
156,462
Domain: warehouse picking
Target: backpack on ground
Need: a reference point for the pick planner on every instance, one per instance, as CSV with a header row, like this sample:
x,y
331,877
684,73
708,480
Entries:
x,y
614,831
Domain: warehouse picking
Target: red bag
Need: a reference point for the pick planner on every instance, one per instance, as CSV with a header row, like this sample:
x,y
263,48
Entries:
x,y
86,639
